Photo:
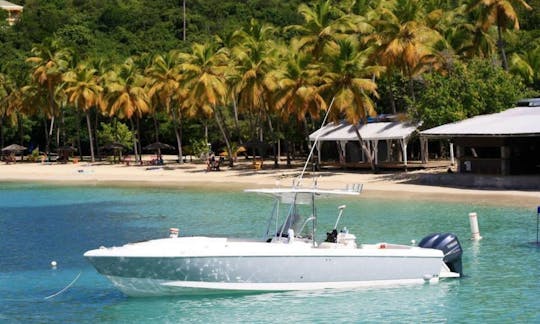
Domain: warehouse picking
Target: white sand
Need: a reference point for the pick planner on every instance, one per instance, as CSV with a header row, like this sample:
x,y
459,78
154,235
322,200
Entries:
x,y
243,176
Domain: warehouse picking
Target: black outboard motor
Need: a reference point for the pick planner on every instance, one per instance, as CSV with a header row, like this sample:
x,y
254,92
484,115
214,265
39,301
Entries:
x,y
448,243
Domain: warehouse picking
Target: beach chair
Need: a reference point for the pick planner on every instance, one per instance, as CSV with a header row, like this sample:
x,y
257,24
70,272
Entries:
x,y
257,164
214,164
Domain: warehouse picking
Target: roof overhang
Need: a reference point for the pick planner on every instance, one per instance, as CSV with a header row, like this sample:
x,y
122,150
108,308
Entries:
x,y
369,132
6,5
515,122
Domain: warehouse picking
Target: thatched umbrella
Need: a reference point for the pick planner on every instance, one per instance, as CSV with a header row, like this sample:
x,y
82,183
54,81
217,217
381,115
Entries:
x,y
157,147
113,147
64,152
16,148
116,148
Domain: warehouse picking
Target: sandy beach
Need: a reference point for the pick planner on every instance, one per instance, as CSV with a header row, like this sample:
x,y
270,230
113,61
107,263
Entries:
x,y
396,184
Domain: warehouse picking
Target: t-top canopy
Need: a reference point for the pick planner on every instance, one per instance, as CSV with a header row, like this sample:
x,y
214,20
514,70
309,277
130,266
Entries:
x,y
304,196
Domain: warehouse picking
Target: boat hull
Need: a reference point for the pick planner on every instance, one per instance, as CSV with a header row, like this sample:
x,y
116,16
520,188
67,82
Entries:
x,y
288,268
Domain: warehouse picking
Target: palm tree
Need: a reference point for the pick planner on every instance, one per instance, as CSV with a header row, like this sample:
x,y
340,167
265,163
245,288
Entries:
x,y
4,95
254,59
48,68
527,65
10,103
297,94
348,79
33,102
204,76
126,96
84,91
468,39
322,23
165,85
404,40
501,13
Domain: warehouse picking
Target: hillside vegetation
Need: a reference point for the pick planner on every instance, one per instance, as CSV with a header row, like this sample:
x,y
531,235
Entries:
x,y
88,72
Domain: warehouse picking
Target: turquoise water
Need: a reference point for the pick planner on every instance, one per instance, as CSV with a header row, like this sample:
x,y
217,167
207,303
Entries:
x,y
41,223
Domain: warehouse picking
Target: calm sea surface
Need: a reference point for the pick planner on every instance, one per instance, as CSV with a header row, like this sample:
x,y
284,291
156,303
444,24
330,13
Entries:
x,y
41,223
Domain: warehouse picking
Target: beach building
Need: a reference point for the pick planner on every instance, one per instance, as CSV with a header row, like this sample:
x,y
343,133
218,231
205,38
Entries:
x,y
387,141
14,11
504,143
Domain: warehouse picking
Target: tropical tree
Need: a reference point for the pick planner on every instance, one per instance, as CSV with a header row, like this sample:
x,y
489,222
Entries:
x,y
348,80
297,94
255,58
322,24
84,91
48,68
501,13
204,76
125,95
164,84
527,65
32,100
404,40
3,105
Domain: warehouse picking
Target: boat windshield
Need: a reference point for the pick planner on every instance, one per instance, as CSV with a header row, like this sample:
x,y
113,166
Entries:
x,y
294,209
285,217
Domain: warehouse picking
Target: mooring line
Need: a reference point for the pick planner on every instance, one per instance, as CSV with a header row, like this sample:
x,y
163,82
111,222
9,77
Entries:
x,y
65,288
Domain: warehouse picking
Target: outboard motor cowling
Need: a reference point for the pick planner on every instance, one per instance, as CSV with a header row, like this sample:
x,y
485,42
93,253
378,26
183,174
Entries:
x,y
448,243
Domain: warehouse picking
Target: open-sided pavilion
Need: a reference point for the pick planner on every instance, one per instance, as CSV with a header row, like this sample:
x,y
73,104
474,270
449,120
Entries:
x,y
504,143
372,134
14,11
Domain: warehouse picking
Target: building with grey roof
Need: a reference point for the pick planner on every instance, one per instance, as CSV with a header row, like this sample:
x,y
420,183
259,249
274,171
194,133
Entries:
x,y
504,143
14,11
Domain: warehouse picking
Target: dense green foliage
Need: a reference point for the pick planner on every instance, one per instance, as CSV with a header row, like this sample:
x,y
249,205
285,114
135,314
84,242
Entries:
x,y
257,69
475,89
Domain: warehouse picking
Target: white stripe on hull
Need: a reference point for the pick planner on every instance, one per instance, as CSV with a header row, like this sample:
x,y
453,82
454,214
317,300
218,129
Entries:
x,y
143,287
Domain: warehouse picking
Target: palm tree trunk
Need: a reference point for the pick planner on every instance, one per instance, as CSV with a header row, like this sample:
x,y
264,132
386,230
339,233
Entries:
x,y
392,99
411,84
236,124
177,124
225,136
156,127
135,131
90,138
94,133
184,20
138,147
47,138
1,131
500,44
63,126
366,150
79,134
21,131
306,133
276,139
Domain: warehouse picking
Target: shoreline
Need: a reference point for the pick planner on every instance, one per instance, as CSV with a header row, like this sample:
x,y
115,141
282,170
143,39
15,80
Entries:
x,y
397,185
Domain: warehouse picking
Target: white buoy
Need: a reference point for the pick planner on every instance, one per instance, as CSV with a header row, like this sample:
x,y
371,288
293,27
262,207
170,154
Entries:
x,y
53,264
475,231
